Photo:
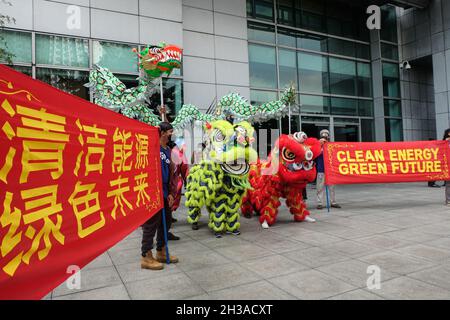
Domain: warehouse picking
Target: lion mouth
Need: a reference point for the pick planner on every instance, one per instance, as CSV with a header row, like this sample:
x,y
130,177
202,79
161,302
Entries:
x,y
236,169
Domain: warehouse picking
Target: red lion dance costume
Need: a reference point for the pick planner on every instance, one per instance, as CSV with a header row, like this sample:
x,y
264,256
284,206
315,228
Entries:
x,y
285,174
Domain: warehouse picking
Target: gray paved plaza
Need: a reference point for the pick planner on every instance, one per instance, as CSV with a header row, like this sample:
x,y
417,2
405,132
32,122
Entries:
x,y
402,228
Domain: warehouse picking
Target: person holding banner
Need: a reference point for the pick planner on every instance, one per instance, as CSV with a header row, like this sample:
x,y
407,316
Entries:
x,y
447,183
156,224
324,138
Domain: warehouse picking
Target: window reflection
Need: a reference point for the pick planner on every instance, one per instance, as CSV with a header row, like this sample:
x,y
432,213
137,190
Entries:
x,y
262,62
70,81
313,72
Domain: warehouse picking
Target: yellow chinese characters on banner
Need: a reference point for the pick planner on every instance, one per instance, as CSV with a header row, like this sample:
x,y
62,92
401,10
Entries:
x,y
43,139
65,178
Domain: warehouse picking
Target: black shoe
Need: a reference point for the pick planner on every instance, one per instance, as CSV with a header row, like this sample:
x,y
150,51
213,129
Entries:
x,y
195,226
335,205
218,235
434,185
174,220
171,236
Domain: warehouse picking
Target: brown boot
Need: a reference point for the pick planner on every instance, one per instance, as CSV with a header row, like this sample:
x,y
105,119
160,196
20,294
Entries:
x,y
161,256
148,262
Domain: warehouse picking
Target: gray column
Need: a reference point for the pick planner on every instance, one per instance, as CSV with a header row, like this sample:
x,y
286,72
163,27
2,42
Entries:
x,y
377,84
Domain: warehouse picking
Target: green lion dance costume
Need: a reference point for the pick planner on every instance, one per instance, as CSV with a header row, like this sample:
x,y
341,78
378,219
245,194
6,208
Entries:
x,y
220,182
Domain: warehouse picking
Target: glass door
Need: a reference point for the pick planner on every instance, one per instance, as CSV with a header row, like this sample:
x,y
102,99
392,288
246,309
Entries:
x,y
313,125
346,130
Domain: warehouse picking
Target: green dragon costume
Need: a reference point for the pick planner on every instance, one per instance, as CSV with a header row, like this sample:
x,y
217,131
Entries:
x,y
220,181
154,61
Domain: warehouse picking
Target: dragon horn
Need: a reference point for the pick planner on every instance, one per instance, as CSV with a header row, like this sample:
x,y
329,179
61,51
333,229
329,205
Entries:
x,y
136,51
208,125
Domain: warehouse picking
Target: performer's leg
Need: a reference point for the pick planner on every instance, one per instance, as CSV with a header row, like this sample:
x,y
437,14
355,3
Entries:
x,y
246,207
217,218
320,188
447,193
232,220
269,212
297,207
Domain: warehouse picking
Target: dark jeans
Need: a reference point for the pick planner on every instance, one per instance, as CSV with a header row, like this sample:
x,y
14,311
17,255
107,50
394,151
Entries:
x,y
155,225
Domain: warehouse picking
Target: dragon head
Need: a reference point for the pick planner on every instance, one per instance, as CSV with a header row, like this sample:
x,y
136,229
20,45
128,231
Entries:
x,y
160,59
294,155
230,145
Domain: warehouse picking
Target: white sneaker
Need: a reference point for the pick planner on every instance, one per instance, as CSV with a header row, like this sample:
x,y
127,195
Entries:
x,y
265,225
309,219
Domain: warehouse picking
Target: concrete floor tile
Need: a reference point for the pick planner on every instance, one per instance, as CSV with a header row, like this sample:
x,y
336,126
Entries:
x,y
118,292
273,266
315,257
91,279
405,288
311,285
426,252
438,276
354,272
131,272
358,294
396,262
170,287
221,277
244,252
261,290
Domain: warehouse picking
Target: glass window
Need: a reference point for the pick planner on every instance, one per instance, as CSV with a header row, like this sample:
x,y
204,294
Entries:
x,y
62,51
249,8
391,83
342,77
343,106
313,72
312,15
130,81
389,51
314,104
25,70
340,19
367,130
394,130
392,108
116,57
264,9
365,108
287,37
263,73
341,47
362,51
364,79
388,31
261,32
286,12
312,42
288,68
71,81
259,97
17,44
346,132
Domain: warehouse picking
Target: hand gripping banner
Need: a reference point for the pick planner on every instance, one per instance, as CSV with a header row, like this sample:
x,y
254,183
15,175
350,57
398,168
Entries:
x,y
386,162
75,179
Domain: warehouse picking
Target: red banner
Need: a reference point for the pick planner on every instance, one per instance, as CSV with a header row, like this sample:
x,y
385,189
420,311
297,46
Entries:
x,y
386,162
75,179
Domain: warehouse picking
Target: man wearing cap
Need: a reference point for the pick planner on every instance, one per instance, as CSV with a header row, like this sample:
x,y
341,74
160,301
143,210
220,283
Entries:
x,y
324,138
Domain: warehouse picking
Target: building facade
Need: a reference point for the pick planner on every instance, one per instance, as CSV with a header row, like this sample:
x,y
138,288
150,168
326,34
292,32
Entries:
x,y
350,80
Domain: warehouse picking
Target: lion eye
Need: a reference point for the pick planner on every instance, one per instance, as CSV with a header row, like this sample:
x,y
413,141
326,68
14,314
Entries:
x,y
218,136
288,155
